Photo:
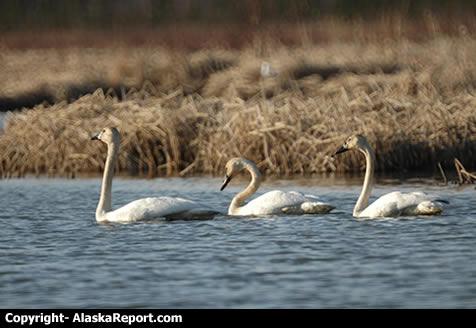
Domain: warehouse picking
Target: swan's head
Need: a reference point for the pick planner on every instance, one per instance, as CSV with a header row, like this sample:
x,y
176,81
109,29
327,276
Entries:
x,y
108,135
353,142
233,167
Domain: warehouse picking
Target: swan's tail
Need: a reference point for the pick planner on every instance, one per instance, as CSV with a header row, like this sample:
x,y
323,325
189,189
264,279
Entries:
x,y
430,207
316,207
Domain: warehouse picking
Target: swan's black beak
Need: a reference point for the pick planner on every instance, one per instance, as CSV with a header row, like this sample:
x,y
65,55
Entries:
x,y
341,150
225,183
98,136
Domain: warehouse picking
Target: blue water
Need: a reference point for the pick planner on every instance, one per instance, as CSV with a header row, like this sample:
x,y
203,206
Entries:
x,y
54,254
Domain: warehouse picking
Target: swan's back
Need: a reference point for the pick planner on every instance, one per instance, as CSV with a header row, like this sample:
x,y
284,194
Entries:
x,y
159,207
404,204
282,202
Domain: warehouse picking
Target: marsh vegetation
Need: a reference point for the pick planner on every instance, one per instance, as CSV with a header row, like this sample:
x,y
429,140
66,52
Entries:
x,y
185,111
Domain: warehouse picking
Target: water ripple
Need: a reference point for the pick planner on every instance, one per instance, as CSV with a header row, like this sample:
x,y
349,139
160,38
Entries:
x,y
54,254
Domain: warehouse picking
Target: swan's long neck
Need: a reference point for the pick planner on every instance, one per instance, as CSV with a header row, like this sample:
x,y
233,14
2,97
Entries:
x,y
104,204
363,200
240,198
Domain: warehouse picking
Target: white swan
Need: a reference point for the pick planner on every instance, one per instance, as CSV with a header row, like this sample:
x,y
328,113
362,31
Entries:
x,y
141,209
267,70
392,204
273,202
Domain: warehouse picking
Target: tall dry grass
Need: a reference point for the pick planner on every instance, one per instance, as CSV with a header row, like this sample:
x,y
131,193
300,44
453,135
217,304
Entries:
x,y
187,113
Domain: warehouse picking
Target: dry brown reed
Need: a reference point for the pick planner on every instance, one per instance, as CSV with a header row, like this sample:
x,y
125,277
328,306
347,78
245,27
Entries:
x,y
463,174
182,113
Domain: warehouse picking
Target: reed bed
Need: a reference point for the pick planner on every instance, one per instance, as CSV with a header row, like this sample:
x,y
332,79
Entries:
x,y
188,113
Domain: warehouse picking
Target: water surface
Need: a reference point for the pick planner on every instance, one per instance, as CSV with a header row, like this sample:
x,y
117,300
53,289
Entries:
x,y
54,254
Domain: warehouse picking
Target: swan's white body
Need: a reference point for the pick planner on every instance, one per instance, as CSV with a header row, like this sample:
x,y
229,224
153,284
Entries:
x,y
393,204
141,209
154,208
272,202
399,204
282,202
